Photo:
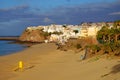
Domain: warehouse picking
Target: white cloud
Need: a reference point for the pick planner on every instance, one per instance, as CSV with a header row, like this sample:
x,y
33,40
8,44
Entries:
x,y
47,20
115,13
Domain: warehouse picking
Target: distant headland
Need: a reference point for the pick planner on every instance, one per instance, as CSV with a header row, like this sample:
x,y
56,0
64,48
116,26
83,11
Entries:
x,y
10,38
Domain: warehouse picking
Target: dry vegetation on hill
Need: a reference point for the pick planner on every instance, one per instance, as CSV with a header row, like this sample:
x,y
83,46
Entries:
x,y
108,42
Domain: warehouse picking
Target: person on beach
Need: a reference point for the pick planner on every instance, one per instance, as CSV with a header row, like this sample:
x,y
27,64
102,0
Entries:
x,y
81,57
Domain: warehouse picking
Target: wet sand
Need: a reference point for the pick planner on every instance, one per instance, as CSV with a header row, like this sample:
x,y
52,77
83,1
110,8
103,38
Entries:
x,y
45,62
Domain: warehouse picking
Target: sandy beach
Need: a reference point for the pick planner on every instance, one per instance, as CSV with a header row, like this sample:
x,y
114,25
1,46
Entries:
x,y
45,62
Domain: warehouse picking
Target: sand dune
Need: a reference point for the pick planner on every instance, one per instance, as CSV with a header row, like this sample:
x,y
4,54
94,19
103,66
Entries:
x,y
45,62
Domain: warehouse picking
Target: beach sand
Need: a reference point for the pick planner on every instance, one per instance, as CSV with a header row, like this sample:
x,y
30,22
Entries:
x,y
45,62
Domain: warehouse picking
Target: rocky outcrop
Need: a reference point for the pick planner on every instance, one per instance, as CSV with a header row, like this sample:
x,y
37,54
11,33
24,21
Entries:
x,y
32,35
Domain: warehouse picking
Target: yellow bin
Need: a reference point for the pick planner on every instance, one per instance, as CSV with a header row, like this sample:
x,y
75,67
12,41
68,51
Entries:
x,y
20,65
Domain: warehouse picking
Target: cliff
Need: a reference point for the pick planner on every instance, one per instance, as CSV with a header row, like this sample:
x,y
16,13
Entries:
x,y
32,35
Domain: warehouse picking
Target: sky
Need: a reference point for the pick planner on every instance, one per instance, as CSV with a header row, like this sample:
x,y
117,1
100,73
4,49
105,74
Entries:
x,y
16,15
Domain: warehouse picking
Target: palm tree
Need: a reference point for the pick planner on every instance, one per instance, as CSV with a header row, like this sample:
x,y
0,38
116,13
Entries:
x,y
116,34
111,34
105,31
117,24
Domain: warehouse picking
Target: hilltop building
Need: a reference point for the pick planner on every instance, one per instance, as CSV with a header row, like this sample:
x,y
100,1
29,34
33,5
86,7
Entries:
x,y
70,31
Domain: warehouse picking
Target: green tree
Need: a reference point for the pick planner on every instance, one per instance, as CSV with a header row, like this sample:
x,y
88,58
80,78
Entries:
x,y
65,26
116,34
103,34
58,33
76,31
116,24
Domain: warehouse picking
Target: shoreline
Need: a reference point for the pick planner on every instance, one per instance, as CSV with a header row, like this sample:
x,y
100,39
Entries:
x,y
9,47
12,59
23,44
43,60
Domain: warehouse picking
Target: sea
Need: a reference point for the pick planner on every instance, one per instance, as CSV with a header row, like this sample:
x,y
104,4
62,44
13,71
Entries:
x,y
7,47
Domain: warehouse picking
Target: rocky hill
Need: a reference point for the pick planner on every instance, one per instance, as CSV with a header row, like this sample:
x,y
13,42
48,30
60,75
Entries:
x,y
32,35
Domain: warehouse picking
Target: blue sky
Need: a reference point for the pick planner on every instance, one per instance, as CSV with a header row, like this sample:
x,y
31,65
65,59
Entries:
x,y
16,15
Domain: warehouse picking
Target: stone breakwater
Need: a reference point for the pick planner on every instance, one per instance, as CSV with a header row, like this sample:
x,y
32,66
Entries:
x,y
9,38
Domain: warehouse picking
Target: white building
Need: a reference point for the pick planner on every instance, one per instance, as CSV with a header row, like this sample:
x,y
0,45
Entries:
x,y
84,30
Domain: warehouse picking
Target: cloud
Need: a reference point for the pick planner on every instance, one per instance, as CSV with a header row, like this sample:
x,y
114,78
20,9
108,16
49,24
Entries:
x,y
62,14
47,20
8,14
91,12
115,13
20,17
68,0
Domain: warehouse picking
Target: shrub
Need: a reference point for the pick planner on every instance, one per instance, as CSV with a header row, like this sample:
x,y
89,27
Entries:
x,y
97,48
93,48
76,31
58,33
46,34
78,46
